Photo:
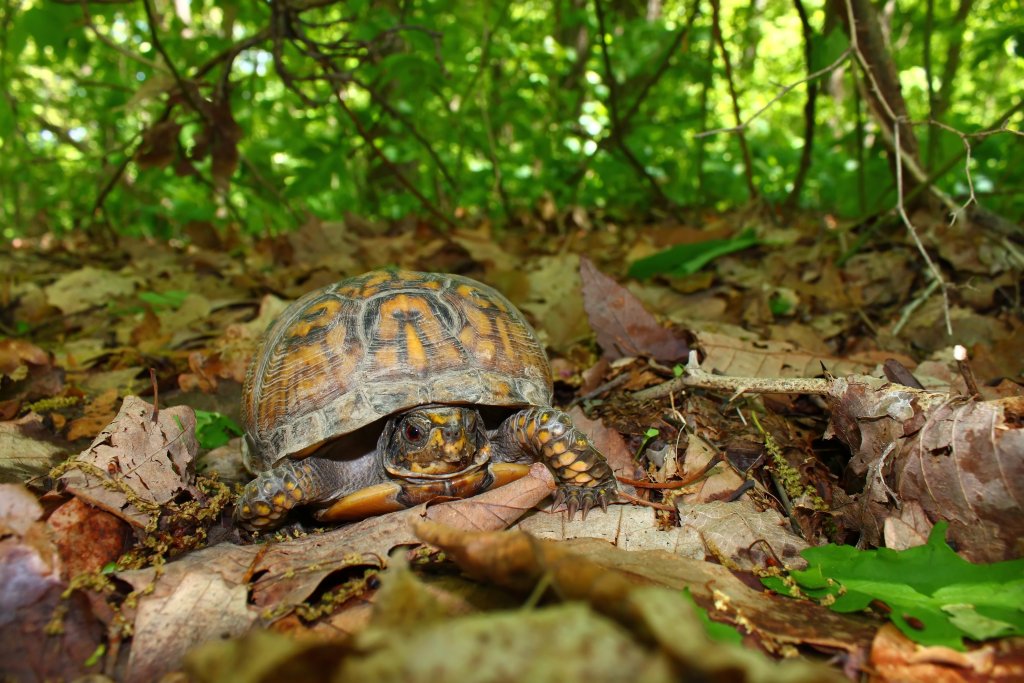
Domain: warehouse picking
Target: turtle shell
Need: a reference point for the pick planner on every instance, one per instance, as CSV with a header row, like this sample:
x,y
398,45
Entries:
x,y
346,355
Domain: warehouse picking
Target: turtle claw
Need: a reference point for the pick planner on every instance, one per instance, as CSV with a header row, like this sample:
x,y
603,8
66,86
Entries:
x,y
583,499
558,498
572,505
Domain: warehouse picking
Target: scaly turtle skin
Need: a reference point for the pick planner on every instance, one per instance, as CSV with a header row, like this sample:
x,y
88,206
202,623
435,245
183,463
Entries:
x,y
391,388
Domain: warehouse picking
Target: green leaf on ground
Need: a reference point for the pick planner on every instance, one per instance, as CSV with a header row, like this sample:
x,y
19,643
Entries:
x,y
723,633
935,596
171,299
214,430
686,259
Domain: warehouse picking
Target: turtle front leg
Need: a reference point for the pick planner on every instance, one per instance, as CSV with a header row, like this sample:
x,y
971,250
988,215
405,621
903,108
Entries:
x,y
267,499
548,434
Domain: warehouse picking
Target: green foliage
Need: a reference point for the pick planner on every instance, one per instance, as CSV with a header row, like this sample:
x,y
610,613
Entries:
x,y
214,430
482,108
935,597
723,633
686,259
171,299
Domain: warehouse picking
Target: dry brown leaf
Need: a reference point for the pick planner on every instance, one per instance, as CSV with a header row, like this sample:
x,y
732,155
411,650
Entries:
x,y
229,355
27,449
136,465
30,596
624,526
742,537
98,414
82,289
962,460
15,354
622,325
718,484
483,248
750,357
87,538
191,603
554,301
896,658
606,577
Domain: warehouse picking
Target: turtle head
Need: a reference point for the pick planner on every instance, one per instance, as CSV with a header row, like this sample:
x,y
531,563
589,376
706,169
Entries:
x,y
433,441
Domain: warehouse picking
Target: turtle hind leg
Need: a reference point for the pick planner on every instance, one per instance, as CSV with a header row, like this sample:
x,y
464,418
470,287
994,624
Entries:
x,y
547,434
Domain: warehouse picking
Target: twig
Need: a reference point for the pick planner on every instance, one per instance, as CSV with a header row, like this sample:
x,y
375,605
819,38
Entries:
x,y
694,376
913,306
646,503
405,182
917,239
810,104
156,394
674,484
785,90
960,355
748,162
188,90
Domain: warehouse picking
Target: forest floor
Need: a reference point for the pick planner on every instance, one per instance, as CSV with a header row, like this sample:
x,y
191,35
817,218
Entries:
x,y
131,565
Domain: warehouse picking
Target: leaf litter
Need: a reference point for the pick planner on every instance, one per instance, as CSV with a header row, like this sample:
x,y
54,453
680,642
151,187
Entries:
x,y
723,502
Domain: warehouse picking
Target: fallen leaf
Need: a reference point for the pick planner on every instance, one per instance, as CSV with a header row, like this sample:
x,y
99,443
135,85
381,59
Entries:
x,y
15,354
87,538
742,537
897,658
98,414
27,449
622,325
83,289
608,579
962,460
137,465
752,357
31,596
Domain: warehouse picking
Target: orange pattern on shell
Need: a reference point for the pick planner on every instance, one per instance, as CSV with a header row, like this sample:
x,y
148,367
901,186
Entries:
x,y
350,353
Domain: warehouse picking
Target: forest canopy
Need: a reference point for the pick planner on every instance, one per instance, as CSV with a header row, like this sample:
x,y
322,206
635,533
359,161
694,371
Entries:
x,y
144,117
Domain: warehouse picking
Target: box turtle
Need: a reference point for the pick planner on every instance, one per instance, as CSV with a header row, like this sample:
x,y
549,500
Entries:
x,y
388,389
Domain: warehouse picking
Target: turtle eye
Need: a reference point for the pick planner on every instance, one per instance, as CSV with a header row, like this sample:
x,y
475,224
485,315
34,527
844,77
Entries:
x,y
413,433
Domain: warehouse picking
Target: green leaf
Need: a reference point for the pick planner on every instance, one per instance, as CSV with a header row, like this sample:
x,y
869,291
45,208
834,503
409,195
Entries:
x,y
723,633
686,259
214,430
935,596
171,299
